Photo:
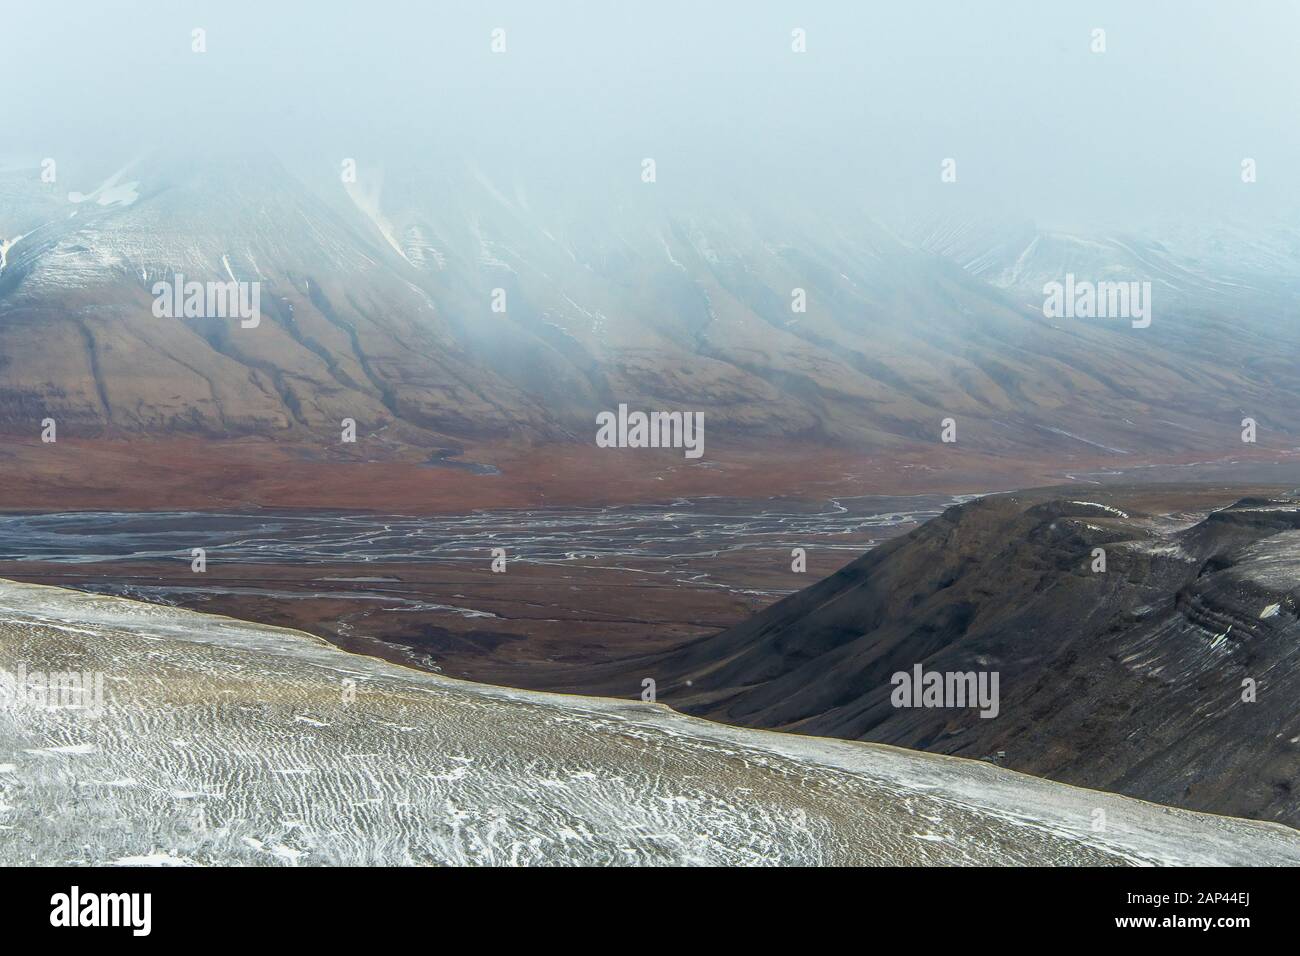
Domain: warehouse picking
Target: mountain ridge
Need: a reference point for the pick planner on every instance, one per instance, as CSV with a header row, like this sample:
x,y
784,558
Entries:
x,y
1133,679
378,300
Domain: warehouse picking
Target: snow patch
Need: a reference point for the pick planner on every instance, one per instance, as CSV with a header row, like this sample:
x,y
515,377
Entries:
x,y
110,192
1093,504
5,246
69,749
153,859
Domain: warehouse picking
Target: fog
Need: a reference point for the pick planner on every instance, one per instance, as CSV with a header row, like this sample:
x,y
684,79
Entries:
x,y
1039,124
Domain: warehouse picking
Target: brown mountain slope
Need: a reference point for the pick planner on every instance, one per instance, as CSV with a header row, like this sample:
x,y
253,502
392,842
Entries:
x,y
378,306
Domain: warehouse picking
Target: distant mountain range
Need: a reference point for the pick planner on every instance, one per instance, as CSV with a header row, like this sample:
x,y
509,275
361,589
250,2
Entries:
x,y
377,299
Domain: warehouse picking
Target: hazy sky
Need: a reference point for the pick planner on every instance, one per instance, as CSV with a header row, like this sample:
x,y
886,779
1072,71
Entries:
x,y
1039,124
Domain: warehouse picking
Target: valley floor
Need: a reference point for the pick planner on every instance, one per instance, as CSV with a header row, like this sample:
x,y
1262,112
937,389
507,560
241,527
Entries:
x,y
80,473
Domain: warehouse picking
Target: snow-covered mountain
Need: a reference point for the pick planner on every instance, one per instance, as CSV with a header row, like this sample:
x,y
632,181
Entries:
x,y
1211,265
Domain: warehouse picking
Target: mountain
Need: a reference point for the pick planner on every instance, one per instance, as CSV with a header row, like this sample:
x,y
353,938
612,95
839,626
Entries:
x,y
1223,262
1134,679
341,335
216,742
377,298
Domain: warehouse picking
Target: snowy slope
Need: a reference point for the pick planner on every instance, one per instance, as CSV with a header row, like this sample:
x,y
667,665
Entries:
x,y
222,742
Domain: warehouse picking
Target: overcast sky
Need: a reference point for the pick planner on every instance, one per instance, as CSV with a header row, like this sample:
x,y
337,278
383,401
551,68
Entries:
x,y
1038,123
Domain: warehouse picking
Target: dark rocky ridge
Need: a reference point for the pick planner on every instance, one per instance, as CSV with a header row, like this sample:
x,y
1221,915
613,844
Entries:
x,y
1129,680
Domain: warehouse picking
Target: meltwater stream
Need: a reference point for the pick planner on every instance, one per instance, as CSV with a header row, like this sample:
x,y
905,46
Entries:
x,y
686,528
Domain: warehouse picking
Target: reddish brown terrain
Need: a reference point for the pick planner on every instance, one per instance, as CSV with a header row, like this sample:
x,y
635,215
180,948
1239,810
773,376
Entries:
x,y
151,474
540,615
